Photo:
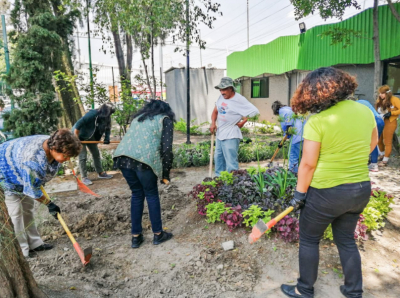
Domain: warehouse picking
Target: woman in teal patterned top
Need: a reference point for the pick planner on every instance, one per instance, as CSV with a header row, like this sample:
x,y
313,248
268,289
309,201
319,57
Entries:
x,y
145,156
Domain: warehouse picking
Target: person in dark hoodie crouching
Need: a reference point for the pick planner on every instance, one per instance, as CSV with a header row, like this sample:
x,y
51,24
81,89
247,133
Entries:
x,y
92,127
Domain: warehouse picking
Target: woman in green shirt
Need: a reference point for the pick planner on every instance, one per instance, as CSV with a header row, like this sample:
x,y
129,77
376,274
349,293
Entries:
x,y
333,184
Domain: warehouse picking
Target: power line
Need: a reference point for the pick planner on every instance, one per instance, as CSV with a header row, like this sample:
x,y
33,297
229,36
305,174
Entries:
x,y
251,25
234,19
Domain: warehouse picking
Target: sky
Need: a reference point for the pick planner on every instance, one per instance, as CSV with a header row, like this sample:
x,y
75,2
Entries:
x,y
269,19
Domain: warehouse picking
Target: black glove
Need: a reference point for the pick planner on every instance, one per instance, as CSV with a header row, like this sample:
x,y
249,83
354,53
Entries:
x,y
106,142
298,200
165,176
53,209
280,145
387,115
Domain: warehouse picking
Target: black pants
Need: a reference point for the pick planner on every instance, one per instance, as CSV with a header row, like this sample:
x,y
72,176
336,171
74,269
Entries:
x,y
341,206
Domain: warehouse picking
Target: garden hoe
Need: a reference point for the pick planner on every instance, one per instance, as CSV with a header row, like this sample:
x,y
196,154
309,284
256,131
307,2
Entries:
x,y
81,185
85,254
260,228
277,150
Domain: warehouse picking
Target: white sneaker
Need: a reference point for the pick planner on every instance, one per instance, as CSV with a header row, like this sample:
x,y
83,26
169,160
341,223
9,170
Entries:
x,y
373,167
87,181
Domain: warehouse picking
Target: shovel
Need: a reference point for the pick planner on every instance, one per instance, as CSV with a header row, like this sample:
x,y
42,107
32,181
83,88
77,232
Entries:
x,y
277,150
260,228
85,254
82,187
99,142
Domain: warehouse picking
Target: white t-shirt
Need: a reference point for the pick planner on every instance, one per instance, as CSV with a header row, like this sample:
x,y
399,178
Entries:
x,y
230,112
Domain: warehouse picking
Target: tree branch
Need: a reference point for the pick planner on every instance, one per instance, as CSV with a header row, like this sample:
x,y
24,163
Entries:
x,y
393,10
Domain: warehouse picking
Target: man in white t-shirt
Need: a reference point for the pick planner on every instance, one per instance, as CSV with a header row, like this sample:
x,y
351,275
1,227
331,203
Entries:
x,y
231,112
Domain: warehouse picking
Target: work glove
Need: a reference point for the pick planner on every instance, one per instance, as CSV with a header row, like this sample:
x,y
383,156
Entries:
x,y
53,209
106,142
280,145
298,200
387,115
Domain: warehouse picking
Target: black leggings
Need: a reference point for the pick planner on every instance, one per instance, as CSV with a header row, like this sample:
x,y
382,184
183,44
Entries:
x,y
340,206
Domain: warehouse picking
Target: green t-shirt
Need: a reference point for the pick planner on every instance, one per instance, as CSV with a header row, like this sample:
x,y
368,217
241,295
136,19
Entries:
x,y
344,132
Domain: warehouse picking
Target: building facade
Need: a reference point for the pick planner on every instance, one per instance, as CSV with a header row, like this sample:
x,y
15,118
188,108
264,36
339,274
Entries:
x,y
270,72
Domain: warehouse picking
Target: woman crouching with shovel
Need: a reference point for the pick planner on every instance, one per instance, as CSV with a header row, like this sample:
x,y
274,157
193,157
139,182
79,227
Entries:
x,y
333,183
25,165
144,156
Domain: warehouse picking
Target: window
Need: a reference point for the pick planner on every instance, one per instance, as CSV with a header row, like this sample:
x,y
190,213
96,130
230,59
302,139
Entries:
x,y
238,87
392,78
260,88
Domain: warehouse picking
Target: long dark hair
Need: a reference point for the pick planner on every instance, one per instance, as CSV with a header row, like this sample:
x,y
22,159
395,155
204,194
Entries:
x,y
104,118
154,108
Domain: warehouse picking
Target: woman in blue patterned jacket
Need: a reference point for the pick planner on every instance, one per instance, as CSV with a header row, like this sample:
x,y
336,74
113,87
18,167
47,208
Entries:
x,y
145,156
25,165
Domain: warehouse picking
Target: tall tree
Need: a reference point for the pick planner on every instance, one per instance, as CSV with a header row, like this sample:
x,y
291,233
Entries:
x,y
148,21
39,50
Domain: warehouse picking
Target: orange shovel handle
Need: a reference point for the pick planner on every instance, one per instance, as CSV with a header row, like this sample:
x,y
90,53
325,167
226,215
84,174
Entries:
x,y
64,225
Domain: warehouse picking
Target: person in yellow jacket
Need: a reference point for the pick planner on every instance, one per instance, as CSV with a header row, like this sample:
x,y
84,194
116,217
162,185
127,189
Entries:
x,y
388,106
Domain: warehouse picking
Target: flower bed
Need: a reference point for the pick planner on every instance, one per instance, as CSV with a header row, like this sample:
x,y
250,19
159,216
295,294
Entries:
x,y
241,198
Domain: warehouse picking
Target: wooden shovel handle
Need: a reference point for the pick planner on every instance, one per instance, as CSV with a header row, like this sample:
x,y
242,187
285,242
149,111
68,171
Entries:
x,y
99,142
277,149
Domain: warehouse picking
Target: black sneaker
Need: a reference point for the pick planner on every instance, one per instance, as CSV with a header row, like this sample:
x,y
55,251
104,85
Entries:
x,y
136,241
164,236
43,247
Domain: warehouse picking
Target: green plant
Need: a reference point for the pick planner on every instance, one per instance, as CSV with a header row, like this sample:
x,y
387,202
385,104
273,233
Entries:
x,y
226,177
181,126
373,218
245,130
254,213
213,183
328,234
214,211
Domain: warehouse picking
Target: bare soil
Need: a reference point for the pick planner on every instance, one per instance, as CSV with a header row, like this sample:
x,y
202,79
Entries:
x,y
193,263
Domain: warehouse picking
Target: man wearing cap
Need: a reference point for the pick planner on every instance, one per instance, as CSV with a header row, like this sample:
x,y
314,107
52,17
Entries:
x,y
231,111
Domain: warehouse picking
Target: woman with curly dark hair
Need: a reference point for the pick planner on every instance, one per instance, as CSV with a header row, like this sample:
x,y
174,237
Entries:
x,y
333,181
25,165
144,156
388,106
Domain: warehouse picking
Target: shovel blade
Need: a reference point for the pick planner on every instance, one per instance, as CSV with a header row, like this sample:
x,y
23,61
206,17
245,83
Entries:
x,y
87,252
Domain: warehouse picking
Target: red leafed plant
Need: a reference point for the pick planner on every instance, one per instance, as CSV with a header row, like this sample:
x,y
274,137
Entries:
x,y
288,229
233,217
361,230
203,195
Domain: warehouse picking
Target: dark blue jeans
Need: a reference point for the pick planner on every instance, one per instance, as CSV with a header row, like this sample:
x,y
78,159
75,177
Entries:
x,y
340,206
143,184
380,124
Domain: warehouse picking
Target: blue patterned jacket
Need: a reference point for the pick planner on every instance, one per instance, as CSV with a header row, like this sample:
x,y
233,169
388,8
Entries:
x,y
24,166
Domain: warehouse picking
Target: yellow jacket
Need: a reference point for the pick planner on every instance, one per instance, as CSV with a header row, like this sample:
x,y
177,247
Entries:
x,y
395,108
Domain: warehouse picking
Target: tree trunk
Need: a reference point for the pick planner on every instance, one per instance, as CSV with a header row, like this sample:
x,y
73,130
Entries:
x,y
377,55
119,52
393,10
16,279
152,68
147,74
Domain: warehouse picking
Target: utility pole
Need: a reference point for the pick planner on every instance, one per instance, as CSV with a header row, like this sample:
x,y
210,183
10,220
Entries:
x,y
112,69
90,54
248,43
6,52
187,73
201,60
